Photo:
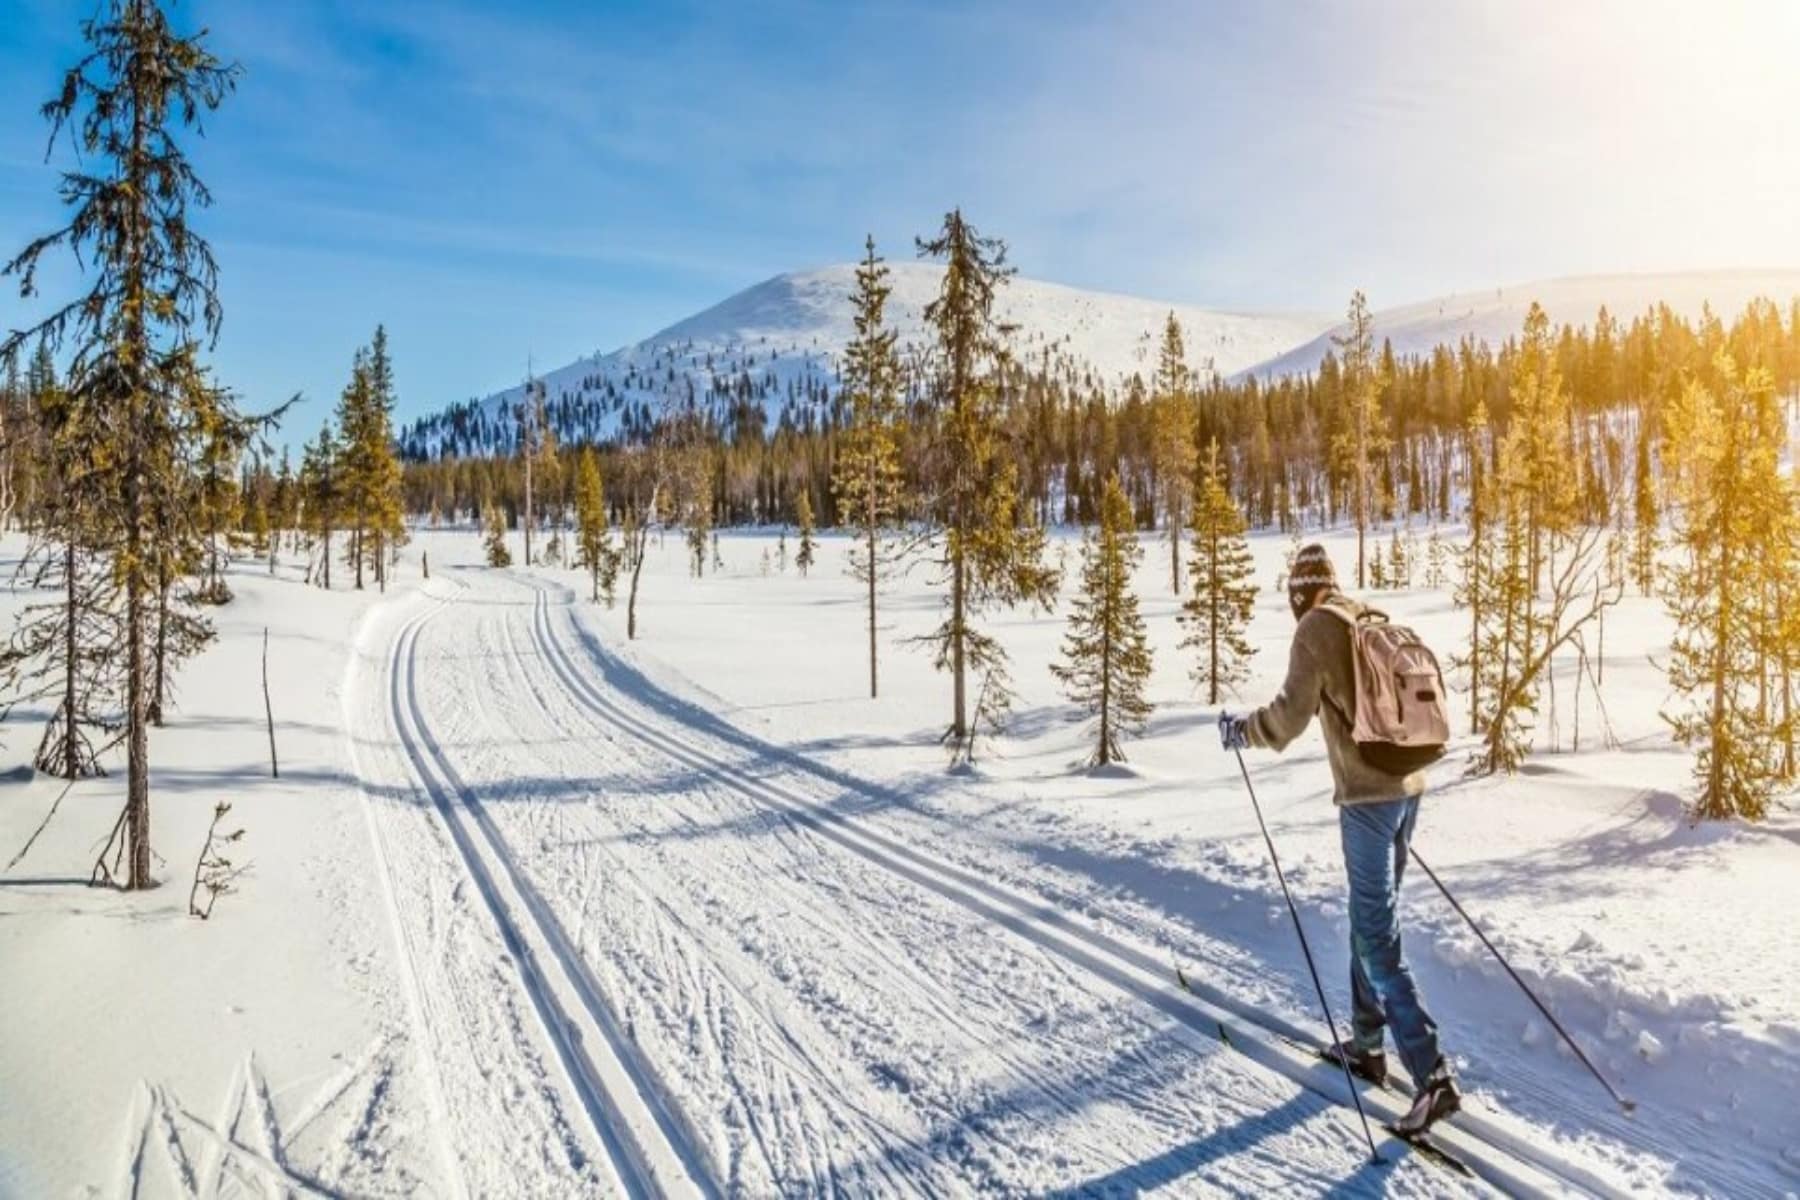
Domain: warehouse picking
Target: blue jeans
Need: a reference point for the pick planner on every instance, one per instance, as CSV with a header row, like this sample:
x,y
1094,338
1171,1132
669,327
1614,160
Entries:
x,y
1382,987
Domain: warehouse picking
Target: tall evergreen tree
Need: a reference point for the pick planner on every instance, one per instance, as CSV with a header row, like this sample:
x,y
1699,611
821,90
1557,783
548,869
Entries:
x,y
1365,434
383,505
594,548
991,552
1172,456
61,650
494,536
803,517
153,291
867,478
320,499
1106,653
1223,587
1727,440
1643,543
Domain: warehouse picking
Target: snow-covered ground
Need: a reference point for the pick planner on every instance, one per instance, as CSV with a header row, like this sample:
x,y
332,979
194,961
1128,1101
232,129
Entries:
x,y
537,912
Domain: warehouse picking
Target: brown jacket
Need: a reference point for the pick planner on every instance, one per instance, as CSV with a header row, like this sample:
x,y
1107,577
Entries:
x,y
1321,679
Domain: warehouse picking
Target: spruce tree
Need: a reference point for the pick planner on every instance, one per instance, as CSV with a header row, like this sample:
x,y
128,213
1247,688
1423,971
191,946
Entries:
x,y
867,478
320,499
494,536
1223,588
803,515
153,294
1106,654
384,503
1172,455
594,548
61,650
991,553
218,500
1643,545
1727,440
1364,434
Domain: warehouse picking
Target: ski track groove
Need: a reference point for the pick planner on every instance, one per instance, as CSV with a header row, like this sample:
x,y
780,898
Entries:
x,y
1023,1077
1494,1152
997,1043
705,975
627,1157
419,1006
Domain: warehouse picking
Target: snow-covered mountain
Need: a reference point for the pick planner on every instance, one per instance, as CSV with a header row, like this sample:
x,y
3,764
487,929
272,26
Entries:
x,y
771,353
774,350
1497,314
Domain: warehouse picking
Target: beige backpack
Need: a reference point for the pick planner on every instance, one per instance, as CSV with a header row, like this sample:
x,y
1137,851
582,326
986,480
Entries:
x,y
1400,724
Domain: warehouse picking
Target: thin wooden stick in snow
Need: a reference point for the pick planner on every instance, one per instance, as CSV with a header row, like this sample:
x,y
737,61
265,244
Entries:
x,y
268,708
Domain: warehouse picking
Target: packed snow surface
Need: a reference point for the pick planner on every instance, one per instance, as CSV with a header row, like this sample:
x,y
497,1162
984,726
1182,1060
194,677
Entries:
x,y
536,911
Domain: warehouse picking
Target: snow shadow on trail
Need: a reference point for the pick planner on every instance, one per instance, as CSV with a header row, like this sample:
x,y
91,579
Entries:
x,y
1242,1137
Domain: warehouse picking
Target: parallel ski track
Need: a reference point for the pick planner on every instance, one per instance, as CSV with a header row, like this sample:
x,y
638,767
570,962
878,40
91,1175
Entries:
x,y
1504,1158
418,1004
626,1109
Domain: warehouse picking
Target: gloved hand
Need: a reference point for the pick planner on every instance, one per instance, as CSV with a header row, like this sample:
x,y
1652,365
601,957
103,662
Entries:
x,y
1234,732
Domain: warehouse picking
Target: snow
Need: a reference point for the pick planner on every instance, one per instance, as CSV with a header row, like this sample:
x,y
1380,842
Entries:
x,y
1496,314
538,912
790,331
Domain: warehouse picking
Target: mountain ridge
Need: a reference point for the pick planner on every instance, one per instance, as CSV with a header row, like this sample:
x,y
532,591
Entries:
x,y
769,353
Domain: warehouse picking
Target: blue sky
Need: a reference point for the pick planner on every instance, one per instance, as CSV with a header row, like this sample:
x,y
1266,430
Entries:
x,y
548,179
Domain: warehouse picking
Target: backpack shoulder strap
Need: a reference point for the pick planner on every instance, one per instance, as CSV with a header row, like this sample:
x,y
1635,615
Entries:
x,y
1353,619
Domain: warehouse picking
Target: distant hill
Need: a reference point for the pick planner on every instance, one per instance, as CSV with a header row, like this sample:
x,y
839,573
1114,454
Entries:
x,y
773,351
1495,315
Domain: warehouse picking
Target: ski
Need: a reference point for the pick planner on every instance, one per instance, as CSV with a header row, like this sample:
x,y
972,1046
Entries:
x,y
1428,1149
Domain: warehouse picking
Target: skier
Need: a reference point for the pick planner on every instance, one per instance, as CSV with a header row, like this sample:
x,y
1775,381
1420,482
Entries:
x,y
1377,813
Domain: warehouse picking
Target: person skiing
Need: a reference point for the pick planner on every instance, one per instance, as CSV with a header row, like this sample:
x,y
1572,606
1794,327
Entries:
x,y
1377,813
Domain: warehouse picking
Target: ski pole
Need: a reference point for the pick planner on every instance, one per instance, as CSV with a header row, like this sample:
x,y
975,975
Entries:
x,y
1624,1104
1312,969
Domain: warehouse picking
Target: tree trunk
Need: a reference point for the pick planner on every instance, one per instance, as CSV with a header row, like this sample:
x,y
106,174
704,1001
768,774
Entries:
x,y
871,566
959,725
71,761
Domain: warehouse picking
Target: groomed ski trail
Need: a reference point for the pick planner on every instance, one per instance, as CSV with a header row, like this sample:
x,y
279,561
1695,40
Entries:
x,y
1502,1154
823,1024
646,1146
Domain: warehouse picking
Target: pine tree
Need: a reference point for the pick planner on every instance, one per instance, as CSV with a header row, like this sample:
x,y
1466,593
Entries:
x,y
594,548
537,452
1437,556
803,515
153,291
1173,458
219,503
385,508
494,536
1643,546
1223,597
61,650
1733,503
320,498
867,477
1106,655
1365,433
992,554
1474,590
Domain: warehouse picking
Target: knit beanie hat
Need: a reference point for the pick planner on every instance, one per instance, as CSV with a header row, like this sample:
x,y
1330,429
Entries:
x,y
1311,569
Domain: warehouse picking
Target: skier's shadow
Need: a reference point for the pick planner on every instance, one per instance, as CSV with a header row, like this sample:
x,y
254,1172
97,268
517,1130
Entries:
x,y
1242,1138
